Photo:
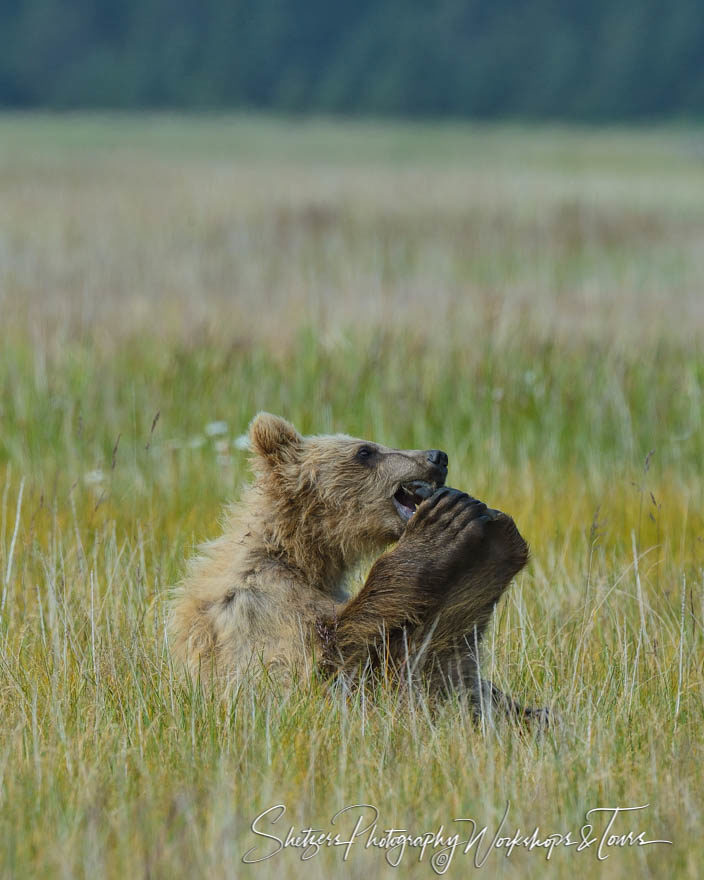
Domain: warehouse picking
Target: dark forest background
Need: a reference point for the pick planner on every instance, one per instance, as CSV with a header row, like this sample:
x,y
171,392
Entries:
x,y
576,59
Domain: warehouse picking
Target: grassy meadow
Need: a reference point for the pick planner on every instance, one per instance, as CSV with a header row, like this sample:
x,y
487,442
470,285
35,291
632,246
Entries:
x,y
529,300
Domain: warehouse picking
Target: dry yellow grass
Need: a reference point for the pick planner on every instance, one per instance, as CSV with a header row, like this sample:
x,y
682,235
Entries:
x,y
529,300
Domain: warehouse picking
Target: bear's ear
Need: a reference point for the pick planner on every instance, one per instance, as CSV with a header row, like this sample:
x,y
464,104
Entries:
x,y
273,438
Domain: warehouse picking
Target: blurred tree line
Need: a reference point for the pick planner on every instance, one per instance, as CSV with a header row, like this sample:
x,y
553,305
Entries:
x,y
582,59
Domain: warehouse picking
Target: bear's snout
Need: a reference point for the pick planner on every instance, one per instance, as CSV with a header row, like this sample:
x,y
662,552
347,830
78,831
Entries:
x,y
438,458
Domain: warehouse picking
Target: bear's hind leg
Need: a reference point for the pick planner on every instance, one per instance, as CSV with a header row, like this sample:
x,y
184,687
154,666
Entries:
x,y
448,646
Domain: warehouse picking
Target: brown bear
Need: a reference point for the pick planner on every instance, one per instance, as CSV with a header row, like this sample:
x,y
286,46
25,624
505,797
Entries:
x,y
269,594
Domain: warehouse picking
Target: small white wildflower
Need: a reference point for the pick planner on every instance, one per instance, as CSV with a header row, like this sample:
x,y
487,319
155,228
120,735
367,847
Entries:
x,y
93,477
195,442
213,429
222,447
242,442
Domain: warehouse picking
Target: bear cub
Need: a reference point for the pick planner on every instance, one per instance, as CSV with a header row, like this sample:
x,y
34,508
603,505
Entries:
x,y
269,594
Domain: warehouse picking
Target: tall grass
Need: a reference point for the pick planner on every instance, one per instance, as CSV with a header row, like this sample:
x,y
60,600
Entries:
x,y
529,301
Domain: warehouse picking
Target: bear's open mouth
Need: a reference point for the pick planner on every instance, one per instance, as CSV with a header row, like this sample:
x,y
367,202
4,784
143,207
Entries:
x,y
409,495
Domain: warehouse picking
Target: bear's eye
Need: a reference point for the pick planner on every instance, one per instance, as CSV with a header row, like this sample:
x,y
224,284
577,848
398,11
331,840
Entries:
x,y
365,453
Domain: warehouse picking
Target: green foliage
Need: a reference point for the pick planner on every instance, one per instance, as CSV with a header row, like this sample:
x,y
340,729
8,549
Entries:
x,y
521,58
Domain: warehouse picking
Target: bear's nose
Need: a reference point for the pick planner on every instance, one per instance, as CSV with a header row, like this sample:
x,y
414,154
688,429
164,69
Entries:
x,y
437,457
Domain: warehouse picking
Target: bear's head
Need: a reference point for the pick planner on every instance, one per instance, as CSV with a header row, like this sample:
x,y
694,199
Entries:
x,y
338,490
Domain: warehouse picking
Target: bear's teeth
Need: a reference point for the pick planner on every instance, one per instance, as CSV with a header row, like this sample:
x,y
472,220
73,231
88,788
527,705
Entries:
x,y
405,512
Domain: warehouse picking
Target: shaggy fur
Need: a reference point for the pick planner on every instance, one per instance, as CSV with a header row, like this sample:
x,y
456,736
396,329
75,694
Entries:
x,y
270,592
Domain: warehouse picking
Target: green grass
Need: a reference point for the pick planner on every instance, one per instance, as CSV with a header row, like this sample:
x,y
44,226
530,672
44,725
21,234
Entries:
x,y
528,300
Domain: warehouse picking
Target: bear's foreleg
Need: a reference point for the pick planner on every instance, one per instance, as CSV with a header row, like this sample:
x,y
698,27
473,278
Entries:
x,y
405,587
